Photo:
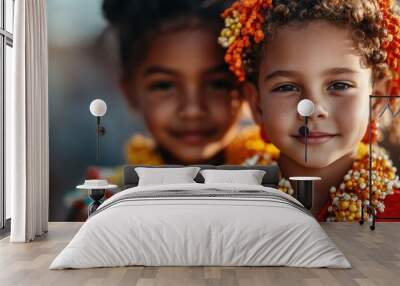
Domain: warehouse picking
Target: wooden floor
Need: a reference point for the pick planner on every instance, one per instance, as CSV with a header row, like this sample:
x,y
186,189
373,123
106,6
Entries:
x,y
375,257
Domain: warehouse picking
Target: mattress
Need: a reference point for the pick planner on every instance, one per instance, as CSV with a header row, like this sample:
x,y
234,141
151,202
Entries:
x,y
201,225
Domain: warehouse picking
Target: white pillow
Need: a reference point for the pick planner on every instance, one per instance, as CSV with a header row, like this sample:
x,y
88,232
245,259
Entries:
x,y
163,176
248,177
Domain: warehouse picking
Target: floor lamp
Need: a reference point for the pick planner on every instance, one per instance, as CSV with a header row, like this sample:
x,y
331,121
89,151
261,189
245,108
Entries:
x,y
371,210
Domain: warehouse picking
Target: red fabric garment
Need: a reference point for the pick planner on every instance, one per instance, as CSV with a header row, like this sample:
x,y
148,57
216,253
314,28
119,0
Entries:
x,y
323,213
392,208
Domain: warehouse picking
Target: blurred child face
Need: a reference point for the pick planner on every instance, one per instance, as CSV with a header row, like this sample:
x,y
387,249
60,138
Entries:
x,y
186,95
316,61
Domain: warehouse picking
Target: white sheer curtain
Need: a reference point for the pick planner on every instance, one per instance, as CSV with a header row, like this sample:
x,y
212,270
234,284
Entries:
x,y
27,147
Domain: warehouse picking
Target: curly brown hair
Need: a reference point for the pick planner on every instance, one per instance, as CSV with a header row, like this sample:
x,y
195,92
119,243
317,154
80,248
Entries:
x,y
363,16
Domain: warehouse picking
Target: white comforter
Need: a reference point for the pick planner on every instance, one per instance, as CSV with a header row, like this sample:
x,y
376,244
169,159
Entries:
x,y
182,231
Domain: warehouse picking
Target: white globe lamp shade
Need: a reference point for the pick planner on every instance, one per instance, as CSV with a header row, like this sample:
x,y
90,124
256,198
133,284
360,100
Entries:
x,y
98,107
305,107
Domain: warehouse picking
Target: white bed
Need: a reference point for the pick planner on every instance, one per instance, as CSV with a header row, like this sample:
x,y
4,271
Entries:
x,y
201,224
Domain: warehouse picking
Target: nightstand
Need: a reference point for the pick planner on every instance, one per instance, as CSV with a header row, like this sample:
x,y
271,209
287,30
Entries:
x,y
304,189
96,190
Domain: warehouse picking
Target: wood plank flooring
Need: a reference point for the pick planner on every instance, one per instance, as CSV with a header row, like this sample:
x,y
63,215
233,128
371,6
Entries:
x,y
375,257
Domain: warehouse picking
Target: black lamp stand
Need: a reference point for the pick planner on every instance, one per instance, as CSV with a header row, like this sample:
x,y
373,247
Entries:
x,y
304,131
306,136
100,131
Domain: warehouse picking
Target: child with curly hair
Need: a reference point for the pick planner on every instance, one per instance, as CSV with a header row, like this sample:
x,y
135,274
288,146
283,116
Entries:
x,y
335,53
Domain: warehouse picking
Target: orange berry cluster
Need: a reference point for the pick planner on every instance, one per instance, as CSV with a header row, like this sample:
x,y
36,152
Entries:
x,y
243,24
374,126
353,193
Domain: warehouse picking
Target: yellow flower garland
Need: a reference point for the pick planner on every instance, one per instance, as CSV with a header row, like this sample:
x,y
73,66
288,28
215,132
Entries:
x,y
353,193
142,150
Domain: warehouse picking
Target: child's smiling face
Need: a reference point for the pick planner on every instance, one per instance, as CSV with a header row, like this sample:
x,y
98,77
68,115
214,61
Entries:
x,y
186,94
317,61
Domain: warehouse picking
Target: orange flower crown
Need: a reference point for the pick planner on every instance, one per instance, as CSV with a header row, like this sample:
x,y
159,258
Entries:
x,y
244,22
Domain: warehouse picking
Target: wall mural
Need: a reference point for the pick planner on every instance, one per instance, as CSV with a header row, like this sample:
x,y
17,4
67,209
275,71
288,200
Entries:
x,y
172,99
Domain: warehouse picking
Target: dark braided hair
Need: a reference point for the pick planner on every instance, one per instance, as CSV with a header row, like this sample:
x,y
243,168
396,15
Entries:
x,y
137,21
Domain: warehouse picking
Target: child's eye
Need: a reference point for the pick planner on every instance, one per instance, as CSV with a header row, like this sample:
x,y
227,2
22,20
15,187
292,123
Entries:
x,y
340,86
286,88
161,86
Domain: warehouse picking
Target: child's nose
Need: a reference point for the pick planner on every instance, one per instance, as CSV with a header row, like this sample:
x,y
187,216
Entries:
x,y
192,105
